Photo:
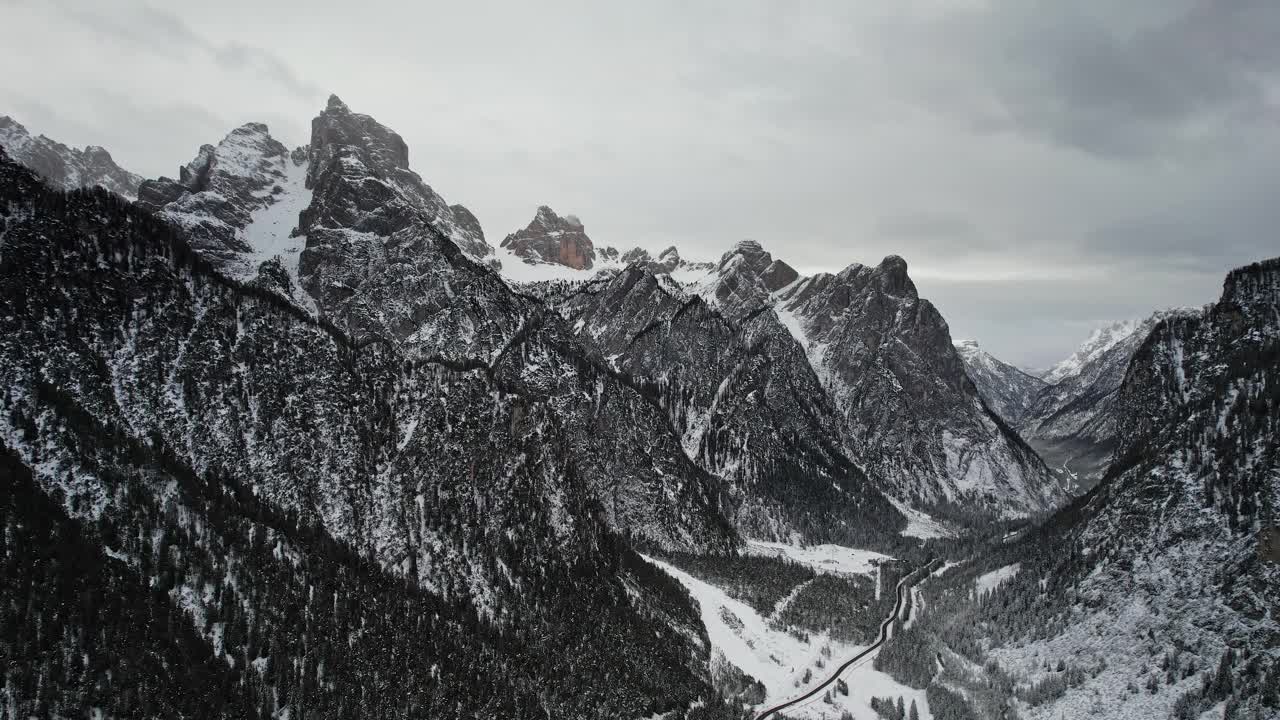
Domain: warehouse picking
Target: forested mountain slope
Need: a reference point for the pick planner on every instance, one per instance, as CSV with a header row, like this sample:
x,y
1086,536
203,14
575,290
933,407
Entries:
x,y
1157,594
298,499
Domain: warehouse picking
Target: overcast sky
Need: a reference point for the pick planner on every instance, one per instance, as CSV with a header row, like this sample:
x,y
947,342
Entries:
x,y
1044,167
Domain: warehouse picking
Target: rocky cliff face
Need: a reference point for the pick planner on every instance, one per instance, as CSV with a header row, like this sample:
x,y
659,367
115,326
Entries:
x,y
357,146
550,238
743,398
361,248
745,279
1008,391
911,412
248,200
907,410
65,167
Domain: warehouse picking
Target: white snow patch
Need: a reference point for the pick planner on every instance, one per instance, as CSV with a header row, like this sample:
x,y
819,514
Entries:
x,y
792,323
823,558
270,231
990,581
919,524
409,428
777,659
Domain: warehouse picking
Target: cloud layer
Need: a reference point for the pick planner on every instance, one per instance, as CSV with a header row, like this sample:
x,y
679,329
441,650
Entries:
x,y
1043,166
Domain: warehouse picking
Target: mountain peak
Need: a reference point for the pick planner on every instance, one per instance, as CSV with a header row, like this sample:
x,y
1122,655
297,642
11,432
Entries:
x,y
550,238
894,272
66,167
335,104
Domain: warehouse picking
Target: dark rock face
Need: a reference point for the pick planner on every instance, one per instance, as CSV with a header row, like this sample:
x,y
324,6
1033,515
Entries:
x,y
467,222
778,275
365,148
738,287
910,412
550,238
374,263
745,402
65,167
636,255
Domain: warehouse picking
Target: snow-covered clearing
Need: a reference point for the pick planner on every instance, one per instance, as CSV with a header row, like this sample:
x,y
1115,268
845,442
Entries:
x,y
865,682
775,658
823,558
921,525
992,580
778,659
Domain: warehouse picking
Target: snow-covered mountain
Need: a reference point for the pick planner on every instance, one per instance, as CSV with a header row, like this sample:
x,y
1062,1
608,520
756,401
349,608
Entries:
x,y
846,370
1070,422
293,430
1007,390
1066,416
1100,342
66,167
1156,594
238,203
910,412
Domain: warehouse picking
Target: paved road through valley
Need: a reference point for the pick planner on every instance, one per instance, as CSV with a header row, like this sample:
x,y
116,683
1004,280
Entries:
x,y
903,585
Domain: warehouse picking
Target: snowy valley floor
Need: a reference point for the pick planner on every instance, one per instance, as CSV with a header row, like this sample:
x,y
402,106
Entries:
x,y
780,659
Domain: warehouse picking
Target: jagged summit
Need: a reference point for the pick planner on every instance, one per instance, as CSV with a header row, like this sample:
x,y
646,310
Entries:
x,y
550,238
65,167
238,202
885,357
894,278
248,199
379,147
745,279
335,103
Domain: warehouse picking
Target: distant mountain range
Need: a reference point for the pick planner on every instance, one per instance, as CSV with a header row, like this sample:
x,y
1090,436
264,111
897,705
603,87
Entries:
x,y
1066,413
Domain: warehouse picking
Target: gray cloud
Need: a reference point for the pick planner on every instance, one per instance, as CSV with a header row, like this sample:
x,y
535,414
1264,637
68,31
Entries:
x,y
1043,166
164,33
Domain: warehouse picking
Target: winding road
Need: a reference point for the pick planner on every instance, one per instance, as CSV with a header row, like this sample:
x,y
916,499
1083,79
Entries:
x,y
903,585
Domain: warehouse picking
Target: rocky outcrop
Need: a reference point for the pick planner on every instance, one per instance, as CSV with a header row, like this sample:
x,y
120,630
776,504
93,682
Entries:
x,y
745,279
549,238
907,411
65,167
467,222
